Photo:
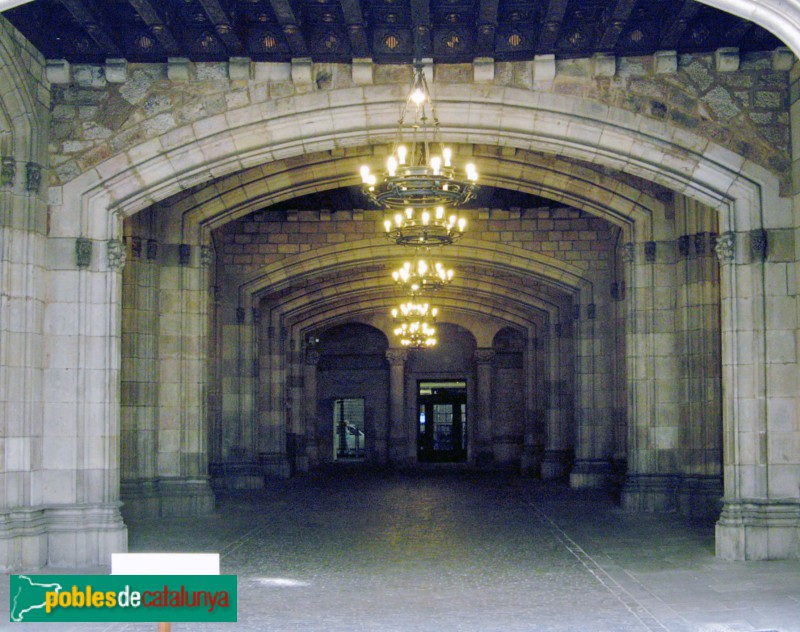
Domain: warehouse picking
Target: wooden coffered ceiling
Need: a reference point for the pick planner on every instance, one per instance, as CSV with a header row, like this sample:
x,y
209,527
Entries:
x,y
388,31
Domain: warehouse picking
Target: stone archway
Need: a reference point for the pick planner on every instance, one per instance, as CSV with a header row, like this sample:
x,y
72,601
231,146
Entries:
x,y
92,192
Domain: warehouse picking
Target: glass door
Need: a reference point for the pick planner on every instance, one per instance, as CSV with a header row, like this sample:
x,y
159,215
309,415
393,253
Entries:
x,y
442,415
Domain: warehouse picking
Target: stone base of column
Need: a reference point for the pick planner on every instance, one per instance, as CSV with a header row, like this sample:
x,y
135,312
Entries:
x,y
275,465
650,492
590,474
531,461
759,529
236,475
507,451
481,454
69,536
140,499
399,452
189,496
700,496
556,464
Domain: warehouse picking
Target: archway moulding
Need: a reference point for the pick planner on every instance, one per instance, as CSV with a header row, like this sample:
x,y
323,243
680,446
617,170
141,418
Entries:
x,y
781,18
572,127
550,270
577,185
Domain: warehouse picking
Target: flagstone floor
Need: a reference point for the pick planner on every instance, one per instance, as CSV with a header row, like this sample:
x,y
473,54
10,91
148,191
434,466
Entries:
x,y
451,549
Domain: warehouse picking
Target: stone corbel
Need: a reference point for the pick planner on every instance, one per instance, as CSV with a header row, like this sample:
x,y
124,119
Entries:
x,y
116,254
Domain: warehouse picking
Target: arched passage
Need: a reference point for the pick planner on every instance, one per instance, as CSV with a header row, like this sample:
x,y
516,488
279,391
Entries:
x,y
138,172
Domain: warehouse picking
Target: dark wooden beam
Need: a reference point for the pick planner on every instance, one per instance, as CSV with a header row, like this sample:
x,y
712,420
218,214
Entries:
x,y
617,21
155,21
551,25
675,29
291,27
223,26
356,27
95,25
421,19
487,25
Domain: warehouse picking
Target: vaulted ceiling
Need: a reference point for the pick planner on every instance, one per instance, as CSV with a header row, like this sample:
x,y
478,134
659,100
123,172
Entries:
x,y
449,31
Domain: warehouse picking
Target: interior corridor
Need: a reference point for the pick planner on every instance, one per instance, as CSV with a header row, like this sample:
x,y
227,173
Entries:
x,y
449,548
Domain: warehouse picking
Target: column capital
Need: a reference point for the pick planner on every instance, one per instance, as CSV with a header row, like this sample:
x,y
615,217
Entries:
x,y
396,356
726,247
116,254
484,355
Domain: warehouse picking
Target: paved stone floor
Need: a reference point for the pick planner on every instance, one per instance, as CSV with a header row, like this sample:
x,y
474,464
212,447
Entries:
x,y
447,549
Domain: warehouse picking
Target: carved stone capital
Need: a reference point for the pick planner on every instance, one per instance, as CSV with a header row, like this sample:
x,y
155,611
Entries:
x,y
397,357
116,254
206,256
8,172
628,251
83,252
33,174
484,356
726,247
758,245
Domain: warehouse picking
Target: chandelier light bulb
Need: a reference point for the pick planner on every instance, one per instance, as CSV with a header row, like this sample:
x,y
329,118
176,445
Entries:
x,y
472,173
409,213
440,212
391,166
426,218
387,224
418,97
398,220
436,165
447,154
364,174
462,224
401,154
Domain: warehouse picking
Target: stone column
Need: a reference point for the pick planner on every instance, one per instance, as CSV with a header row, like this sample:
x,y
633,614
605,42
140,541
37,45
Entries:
x,y
310,403
761,511
697,322
594,437
183,346
400,443
482,444
558,454
273,400
654,379
535,404
139,376
23,409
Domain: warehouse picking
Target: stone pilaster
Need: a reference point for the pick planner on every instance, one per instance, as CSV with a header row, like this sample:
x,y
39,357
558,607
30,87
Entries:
x,y
273,401
482,436
760,516
400,444
310,403
182,432
139,381
653,379
559,453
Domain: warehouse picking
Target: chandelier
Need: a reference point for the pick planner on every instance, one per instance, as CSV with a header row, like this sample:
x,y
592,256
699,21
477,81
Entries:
x,y
420,180
422,276
424,229
414,325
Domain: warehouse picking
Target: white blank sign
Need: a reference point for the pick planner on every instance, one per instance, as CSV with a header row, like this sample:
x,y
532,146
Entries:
x,y
165,563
